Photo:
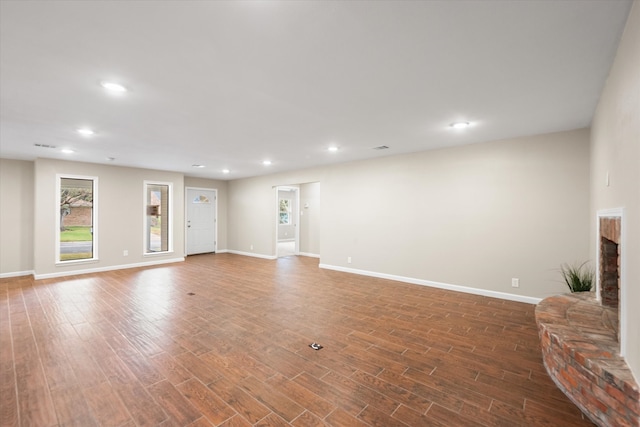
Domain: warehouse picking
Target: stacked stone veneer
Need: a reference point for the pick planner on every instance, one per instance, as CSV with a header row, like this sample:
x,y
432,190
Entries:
x,y
581,354
609,276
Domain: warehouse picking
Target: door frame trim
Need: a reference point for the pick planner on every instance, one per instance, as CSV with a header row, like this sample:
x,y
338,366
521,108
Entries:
x,y
215,217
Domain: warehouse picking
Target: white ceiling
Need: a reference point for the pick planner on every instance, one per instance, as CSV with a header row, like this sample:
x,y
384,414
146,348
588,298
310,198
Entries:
x,y
229,84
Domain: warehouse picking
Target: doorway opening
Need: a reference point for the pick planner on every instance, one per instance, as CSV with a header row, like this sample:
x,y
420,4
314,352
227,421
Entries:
x,y
287,220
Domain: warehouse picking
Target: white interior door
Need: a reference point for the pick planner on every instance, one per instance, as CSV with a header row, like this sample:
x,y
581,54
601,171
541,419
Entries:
x,y
201,221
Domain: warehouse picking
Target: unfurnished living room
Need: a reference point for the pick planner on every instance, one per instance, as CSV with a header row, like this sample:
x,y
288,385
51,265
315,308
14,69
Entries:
x,y
319,213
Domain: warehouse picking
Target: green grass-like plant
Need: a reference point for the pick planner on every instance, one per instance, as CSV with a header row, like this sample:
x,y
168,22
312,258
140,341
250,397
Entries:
x,y
76,234
579,278
76,256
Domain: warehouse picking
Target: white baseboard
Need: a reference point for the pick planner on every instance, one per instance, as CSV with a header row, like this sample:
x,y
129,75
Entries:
x,y
222,251
252,254
110,268
308,254
16,274
449,287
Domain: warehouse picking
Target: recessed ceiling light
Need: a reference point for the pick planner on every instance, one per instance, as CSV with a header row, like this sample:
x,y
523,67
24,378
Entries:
x,y
266,162
333,148
226,171
67,150
113,87
110,159
198,166
85,131
460,125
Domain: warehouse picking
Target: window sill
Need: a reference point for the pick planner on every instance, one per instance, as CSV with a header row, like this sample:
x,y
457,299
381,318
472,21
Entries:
x,y
77,261
152,254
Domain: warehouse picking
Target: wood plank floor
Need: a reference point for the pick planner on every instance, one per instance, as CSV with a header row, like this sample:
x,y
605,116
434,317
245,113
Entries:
x,y
224,340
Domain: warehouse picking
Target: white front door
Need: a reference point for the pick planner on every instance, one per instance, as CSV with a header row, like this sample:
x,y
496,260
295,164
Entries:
x,y
201,221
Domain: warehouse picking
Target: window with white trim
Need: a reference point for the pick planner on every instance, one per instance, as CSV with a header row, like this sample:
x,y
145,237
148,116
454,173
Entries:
x,y
76,211
158,217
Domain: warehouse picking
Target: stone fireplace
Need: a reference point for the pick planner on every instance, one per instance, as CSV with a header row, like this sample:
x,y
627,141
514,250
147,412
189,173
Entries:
x,y
609,274
582,348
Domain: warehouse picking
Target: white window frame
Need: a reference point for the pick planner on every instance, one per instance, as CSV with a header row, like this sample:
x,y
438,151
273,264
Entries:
x,y
94,219
145,243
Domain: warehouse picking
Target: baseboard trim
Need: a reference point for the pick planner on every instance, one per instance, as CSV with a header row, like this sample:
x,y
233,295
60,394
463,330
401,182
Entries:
x,y
222,251
447,286
110,268
251,254
308,254
16,274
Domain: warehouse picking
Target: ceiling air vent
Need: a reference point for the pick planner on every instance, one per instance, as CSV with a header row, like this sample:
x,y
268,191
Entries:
x,y
382,147
45,145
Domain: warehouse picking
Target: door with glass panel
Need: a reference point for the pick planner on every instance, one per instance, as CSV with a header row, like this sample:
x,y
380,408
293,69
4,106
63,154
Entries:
x,y
201,221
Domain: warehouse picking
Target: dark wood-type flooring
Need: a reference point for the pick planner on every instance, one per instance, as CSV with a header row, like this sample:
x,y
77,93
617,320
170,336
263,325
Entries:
x,y
224,340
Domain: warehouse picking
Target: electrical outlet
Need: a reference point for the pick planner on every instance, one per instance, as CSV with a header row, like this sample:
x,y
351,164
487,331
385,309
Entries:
x,y
348,260
515,283
251,247
125,253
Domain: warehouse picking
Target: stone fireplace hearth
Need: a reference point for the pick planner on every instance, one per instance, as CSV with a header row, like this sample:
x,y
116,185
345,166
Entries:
x,y
581,341
580,351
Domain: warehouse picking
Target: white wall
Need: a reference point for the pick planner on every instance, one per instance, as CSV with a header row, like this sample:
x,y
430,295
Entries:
x,y
252,212
615,149
16,217
472,216
222,188
120,222
310,218
19,223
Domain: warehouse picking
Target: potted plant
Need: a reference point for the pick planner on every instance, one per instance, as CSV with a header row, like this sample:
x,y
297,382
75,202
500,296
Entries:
x,y
579,278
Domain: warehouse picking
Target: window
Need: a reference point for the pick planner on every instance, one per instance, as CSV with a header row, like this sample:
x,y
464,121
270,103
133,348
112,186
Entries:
x,y
285,211
201,199
158,229
76,212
